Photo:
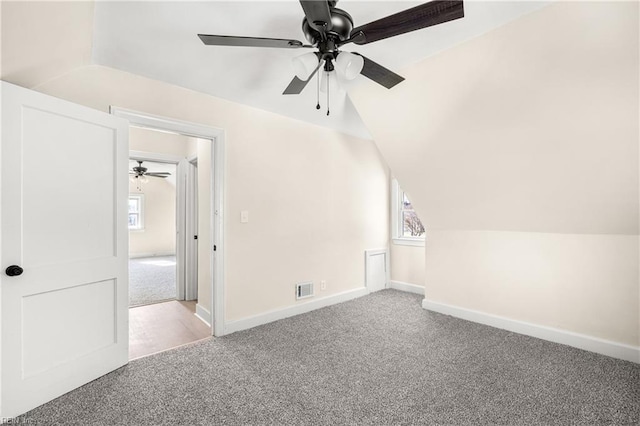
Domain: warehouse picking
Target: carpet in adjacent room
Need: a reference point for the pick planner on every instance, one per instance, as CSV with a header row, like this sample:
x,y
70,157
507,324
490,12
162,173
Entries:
x,y
152,279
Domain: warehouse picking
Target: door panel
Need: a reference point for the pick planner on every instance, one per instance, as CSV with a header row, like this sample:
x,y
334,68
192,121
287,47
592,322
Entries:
x,y
64,186
54,179
54,319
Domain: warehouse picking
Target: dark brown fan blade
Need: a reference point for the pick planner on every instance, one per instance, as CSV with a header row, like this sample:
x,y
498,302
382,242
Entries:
x,y
158,174
220,40
378,73
425,15
317,13
296,86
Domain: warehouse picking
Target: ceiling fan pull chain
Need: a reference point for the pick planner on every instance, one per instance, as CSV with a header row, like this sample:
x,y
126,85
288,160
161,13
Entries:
x,y
327,94
318,92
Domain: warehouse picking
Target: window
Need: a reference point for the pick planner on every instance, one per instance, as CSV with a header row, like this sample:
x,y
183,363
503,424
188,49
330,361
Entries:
x,y
136,209
406,227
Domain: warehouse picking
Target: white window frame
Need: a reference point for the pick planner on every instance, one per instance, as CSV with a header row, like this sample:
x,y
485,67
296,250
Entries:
x,y
396,222
140,198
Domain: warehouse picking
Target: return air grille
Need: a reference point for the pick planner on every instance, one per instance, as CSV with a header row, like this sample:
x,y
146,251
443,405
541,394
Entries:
x,y
304,290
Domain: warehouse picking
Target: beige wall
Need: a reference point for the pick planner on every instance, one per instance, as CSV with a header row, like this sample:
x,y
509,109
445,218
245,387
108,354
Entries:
x,y
587,284
317,199
407,264
147,140
159,234
520,151
54,38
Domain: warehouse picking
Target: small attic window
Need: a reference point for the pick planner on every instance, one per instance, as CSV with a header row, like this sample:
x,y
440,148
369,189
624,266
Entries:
x,y
407,229
136,212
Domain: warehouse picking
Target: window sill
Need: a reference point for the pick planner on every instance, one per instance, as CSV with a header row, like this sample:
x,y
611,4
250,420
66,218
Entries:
x,y
408,242
136,229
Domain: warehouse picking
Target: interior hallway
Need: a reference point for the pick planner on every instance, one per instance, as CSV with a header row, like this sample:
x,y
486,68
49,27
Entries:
x,y
161,326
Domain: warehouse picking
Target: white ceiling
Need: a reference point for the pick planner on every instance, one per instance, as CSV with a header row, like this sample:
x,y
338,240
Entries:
x,y
158,40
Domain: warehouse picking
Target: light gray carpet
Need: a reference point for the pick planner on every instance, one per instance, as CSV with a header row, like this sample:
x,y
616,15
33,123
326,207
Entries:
x,y
152,280
380,359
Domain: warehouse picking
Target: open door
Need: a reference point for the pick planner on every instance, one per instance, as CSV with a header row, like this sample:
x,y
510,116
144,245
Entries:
x,y
63,276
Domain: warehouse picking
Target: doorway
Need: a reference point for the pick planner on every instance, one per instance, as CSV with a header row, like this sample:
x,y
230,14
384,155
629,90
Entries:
x,y
195,153
163,225
152,231
211,241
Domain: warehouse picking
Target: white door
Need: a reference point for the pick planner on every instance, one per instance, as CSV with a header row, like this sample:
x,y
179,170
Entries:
x,y
192,231
64,184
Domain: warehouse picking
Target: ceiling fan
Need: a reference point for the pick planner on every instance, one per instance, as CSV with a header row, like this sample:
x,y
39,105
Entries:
x,y
328,28
140,172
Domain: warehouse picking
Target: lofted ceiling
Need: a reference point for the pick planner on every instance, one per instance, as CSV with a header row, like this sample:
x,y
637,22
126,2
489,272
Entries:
x,y
159,40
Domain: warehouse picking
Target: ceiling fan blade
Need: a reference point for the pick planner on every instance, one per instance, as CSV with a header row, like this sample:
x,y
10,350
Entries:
x,y
425,15
317,13
220,40
158,174
296,86
378,73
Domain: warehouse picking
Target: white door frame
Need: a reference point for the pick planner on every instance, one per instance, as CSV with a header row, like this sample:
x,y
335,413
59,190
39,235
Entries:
x,y
191,229
217,137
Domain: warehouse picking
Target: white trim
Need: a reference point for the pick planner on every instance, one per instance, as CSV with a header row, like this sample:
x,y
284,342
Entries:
x,y
576,340
203,314
155,254
395,202
387,269
217,136
278,314
409,288
218,232
408,242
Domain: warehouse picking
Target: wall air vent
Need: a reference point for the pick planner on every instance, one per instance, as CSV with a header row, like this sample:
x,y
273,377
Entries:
x,y
304,290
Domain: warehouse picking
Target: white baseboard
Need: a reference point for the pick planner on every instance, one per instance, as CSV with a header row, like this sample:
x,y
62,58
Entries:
x,y
576,340
301,308
410,288
139,255
203,314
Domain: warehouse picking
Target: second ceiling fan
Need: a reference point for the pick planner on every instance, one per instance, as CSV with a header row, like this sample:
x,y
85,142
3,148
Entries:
x,y
328,28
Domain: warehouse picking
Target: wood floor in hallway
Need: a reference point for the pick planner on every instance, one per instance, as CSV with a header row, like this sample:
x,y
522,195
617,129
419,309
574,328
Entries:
x,y
161,326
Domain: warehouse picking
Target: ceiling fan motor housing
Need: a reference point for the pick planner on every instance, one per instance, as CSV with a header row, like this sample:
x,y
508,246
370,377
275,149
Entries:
x,y
341,23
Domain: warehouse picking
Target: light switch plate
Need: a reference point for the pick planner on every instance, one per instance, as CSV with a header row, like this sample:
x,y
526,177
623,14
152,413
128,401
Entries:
x,y
244,216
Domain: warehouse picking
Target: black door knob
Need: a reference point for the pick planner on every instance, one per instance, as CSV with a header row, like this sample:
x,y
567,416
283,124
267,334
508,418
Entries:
x,y
14,270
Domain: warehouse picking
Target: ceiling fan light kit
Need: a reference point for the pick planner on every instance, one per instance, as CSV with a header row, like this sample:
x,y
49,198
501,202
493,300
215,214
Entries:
x,y
140,175
328,28
349,65
305,65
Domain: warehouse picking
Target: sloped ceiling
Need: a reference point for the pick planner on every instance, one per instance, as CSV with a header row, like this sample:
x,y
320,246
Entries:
x,y
533,127
157,39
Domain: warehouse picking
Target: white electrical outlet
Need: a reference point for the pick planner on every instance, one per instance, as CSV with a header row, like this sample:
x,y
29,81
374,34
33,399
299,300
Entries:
x,y
323,285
